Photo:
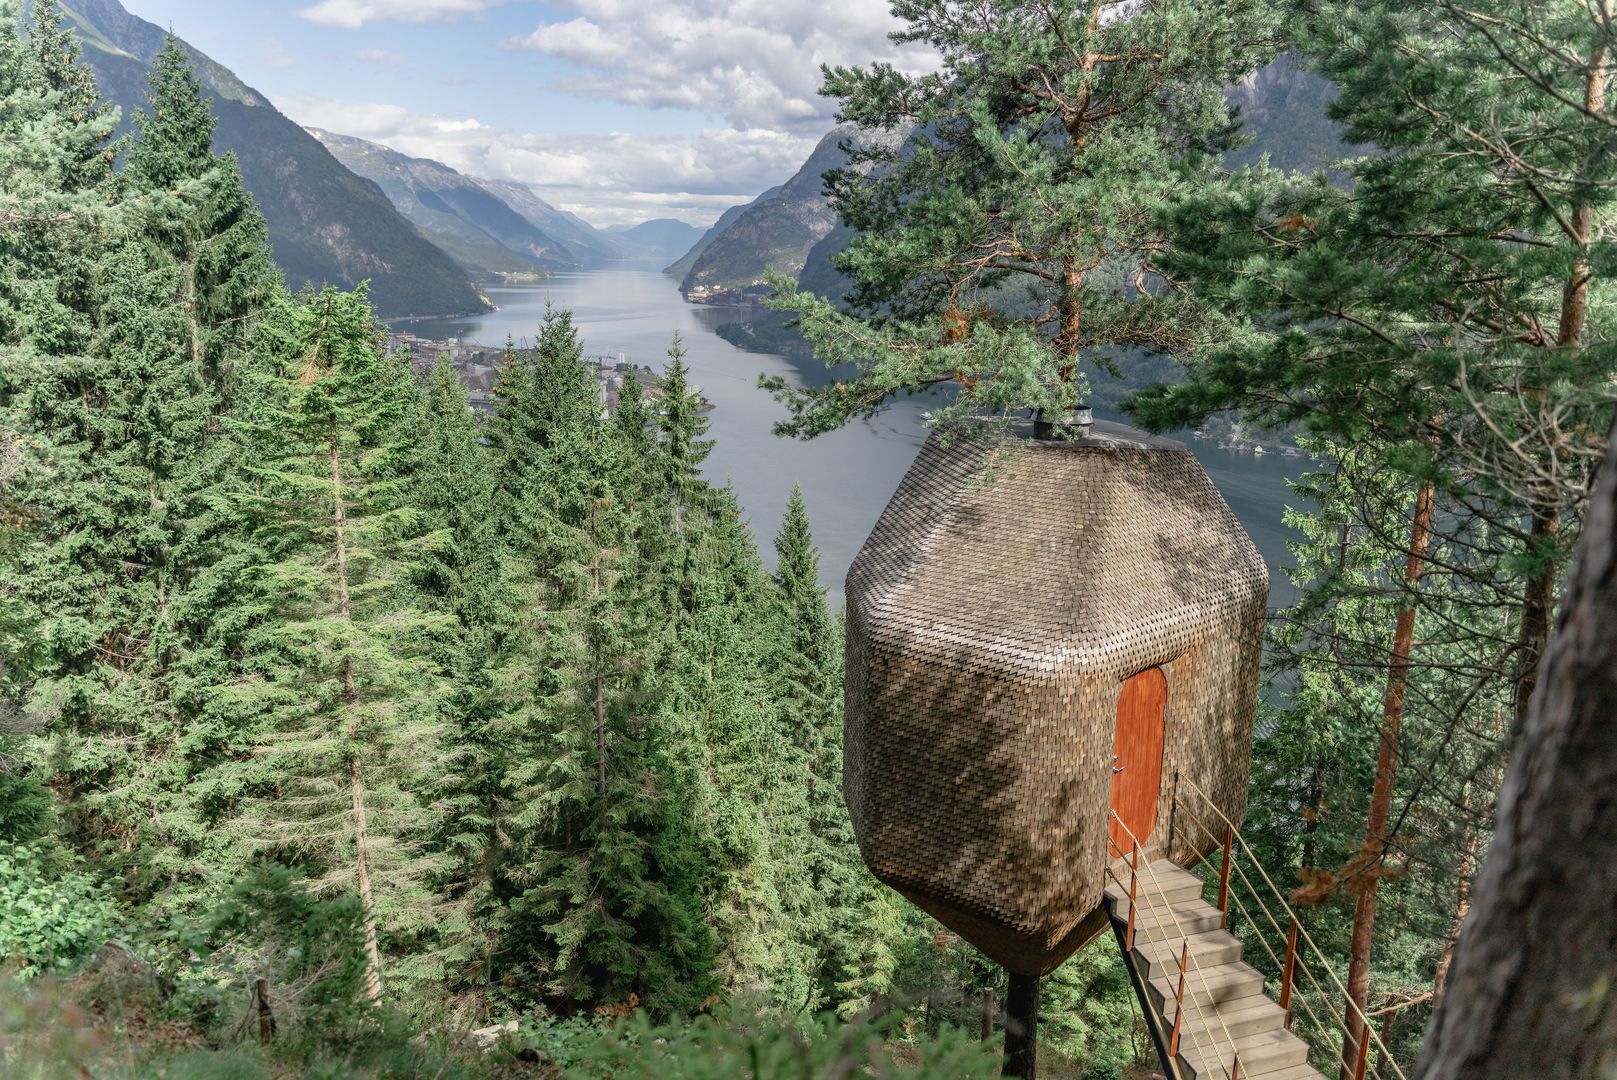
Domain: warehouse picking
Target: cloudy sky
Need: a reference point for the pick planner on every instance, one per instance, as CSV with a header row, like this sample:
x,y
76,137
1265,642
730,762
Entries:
x,y
619,110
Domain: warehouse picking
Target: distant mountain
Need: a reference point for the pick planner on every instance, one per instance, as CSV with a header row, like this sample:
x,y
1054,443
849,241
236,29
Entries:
x,y
326,224
659,238
486,236
683,265
591,246
775,231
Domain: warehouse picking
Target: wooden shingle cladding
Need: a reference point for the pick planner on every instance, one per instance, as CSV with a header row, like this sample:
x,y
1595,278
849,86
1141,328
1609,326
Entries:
x,y
1005,595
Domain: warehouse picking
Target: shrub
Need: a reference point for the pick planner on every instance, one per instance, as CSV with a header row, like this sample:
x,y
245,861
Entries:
x,y
50,918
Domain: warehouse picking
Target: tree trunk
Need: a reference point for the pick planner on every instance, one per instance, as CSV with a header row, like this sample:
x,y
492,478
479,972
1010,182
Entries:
x,y
373,956
1469,846
1375,833
356,787
1533,991
1539,602
266,1018
600,728
1022,1027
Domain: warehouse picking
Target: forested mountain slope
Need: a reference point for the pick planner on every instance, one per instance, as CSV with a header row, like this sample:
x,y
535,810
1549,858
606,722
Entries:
x,y
463,217
682,266
775,231
326,225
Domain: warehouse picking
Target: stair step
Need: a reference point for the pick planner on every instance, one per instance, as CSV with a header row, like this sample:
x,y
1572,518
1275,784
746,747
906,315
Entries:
x,y
1208,986
1156,959
1290,1072
1187,918
1261,1055
1162,883
1243,1016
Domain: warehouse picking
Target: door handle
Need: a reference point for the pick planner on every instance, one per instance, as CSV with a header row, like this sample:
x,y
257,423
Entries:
x,y
1116,768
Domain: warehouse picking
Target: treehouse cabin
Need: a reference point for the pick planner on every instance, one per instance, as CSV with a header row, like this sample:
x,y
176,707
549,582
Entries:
x,y
1040,633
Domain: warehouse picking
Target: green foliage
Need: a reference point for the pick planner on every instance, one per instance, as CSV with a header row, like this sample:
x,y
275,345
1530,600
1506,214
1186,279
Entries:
x,y
737,1043
25,806
52,915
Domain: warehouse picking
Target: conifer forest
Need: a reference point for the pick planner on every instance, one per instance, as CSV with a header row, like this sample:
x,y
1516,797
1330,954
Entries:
x,y
347,730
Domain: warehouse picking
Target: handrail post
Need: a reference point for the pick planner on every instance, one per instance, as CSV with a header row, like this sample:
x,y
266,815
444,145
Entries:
x,y
1289,974
1134,883
1179,1001
1224,878
1235,1067
1364,1053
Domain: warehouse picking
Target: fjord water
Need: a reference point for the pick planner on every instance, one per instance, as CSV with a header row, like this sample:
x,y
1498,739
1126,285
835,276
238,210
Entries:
x,y
847,476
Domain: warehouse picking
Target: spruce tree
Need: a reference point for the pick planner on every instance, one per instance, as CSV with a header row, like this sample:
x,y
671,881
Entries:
x,y
605,893
351,736
682,427
860,929
462,568
540,390
198,211
120,415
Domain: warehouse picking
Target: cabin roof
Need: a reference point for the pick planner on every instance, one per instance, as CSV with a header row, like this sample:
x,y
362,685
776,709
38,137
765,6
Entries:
x,y
1103,555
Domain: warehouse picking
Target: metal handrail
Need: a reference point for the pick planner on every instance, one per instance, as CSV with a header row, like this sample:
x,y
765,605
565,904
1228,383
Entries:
x,y
1369,1029
1187,960
1162,1020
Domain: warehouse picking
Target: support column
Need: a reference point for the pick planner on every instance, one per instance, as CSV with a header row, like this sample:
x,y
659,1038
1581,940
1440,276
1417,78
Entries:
x,y
1022,1027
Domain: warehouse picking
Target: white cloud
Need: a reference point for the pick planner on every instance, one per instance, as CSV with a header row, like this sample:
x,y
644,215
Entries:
x,y
379,56
606,179
755,62
353,14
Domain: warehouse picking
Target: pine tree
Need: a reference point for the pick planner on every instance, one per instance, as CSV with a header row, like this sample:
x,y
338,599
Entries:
x,y
1002,208
1444,312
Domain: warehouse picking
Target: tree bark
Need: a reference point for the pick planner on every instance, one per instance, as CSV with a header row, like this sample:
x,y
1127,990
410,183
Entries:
x,y
266,1018
1469,845
1539,602
1375,833
356,787
1533,991
373,956
1022,1027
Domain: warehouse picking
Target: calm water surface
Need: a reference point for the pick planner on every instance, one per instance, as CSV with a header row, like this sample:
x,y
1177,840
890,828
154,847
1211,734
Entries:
x,y
847,476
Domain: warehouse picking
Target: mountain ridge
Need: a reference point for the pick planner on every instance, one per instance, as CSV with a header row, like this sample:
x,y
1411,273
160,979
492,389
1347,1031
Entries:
x,y
327,225
485,235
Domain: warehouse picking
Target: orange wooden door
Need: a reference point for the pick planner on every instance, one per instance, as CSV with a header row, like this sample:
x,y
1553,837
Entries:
x,y
1137,758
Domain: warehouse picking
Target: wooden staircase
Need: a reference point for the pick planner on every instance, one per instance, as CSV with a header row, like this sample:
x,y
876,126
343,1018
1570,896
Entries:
x,y
1229,1029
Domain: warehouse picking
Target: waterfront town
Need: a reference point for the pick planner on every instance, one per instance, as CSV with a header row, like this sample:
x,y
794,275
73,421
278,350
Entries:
x,y
479,369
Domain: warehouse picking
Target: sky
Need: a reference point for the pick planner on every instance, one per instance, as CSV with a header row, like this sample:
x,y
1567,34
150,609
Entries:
x,y
618,110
